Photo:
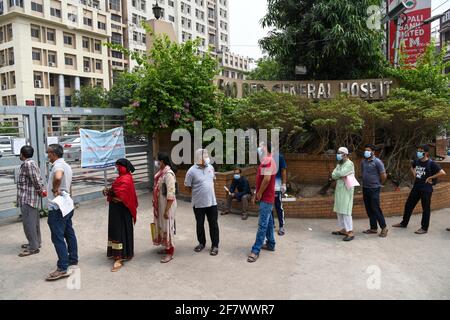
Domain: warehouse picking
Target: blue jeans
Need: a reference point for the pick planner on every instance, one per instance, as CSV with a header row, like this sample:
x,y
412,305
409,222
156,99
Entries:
x,y
265,227
62,231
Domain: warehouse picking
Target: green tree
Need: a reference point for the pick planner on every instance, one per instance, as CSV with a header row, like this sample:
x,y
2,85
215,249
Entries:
x,y
174,87
90,97
428,74
267,68
122,92
329,37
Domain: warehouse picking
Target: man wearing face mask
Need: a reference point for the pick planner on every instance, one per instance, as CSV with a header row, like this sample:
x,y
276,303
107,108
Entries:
x,y
199,181
343,197
239,190
425,171
374,175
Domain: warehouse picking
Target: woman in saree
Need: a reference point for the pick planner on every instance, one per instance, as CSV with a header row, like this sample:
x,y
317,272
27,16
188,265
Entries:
x,y
343,197
164,207
123,205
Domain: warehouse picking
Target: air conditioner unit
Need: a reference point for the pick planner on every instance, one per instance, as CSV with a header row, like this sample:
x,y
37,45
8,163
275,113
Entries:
x,y
38,84
52,64
87,69
4,87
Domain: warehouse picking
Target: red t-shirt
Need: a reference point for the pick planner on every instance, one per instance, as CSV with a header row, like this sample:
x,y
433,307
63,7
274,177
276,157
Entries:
x,y
268,166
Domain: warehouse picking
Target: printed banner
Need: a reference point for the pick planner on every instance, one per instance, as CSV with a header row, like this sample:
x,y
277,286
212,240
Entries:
x,y
101,149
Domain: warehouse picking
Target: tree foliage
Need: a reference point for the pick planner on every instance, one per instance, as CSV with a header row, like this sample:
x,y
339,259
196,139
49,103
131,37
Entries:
x,y
90,97
330,37
174,86
267,68
121,93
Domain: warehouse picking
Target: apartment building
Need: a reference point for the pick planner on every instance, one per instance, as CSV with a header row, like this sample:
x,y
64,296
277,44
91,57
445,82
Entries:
x,y
49,48
444,32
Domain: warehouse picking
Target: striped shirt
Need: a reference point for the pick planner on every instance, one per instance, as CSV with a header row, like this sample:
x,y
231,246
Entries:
x,y
29,184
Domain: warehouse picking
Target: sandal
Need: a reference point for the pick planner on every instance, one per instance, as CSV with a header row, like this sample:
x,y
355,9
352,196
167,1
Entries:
x,y
421,231
24,246
244,216
162,251
384,233
28,252
199,248
348,238
338,233
117,266
266,247
167,258
224,213
214,251
370,231
57,275
252,257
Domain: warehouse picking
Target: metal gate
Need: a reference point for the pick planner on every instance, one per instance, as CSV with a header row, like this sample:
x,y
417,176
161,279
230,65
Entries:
x,y
41,126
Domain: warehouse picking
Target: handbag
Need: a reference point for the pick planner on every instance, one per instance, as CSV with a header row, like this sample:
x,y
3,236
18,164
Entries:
x,y
350,181
153,231
164,188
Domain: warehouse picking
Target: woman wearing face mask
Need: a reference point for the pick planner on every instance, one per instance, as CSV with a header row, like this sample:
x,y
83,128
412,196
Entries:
x,y
343,197
164,207
123,205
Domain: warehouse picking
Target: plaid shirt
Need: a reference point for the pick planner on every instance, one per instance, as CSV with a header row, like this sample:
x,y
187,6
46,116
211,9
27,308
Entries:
x,y
29,184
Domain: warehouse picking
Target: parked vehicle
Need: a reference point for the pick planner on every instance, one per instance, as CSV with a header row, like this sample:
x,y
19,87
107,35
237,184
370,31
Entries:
x,y
71,146
5,145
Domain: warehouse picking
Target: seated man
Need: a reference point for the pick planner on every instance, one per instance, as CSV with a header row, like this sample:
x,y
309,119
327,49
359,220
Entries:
x,y
239,190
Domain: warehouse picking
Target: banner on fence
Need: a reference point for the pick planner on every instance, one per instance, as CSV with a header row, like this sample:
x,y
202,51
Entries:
x,y
101,149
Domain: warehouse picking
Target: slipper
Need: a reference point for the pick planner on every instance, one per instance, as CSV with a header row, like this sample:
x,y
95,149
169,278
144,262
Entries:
x,y
167,259
244,217
27,252
214,251
347,238
116,267
338,233
252,257
370,231
421,231
57,275
25,246
199,248
266,247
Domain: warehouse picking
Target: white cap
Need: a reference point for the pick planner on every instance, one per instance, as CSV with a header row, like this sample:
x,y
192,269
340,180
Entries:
x,y
343,150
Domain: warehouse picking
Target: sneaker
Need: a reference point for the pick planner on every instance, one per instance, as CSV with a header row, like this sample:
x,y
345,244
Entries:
x,y
384,232
281,232
421,231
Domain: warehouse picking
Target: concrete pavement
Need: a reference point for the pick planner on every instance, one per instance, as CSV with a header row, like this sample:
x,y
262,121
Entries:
x,y
309,263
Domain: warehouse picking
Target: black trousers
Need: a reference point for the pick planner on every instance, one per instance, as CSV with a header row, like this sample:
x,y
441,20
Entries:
x,y
413,199
371,198
212,215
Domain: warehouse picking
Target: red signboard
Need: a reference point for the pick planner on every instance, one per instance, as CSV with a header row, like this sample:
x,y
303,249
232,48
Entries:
x,y
414,34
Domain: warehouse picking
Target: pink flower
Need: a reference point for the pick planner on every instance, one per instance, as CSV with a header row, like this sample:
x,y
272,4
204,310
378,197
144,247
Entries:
x,y
135,104
177,116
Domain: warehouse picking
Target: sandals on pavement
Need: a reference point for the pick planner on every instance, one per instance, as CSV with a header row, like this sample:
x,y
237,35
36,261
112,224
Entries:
x,y
28,252
252,257
421,231
370,231
117,266
266,247
167,258
338,233
57,275
244,216
214,251
199,248
398,225
384,233
223,213
348,238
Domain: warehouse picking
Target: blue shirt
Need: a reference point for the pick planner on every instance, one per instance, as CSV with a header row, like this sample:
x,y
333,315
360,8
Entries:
x,y
371,172
281,163
242,186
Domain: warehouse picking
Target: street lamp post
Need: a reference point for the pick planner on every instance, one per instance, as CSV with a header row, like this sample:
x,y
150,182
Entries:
x,y
157,11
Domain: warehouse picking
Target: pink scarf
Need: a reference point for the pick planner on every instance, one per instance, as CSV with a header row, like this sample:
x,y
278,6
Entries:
x,y
159,175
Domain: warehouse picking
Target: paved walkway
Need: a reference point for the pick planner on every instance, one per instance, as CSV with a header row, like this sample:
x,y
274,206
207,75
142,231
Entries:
x,y
309,262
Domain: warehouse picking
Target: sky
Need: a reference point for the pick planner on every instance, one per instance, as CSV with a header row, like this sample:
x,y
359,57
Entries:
x,y
246,30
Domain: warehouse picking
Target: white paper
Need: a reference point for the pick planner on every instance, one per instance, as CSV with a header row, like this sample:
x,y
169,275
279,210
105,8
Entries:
x,y
64,203
17,144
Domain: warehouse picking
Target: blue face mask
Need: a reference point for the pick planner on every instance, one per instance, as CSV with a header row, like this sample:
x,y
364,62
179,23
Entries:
x,y
339,157
367,154
420,154
237,176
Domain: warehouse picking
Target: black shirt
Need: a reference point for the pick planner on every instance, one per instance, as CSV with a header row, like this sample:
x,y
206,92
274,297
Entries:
x,y
424,170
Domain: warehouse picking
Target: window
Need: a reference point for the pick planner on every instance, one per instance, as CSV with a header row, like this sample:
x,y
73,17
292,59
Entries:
x,y
36,55
114,5
85,42
87,21
116,18
98,46
68,61
35,32
52,59
55,12
68,39
67,82
51,35
16,3
87,65
101,25
72,17
36,7
171,18
98,64
171,4
116,38
116,54
143,5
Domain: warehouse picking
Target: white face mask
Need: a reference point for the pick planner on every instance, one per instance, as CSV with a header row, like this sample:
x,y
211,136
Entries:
x,y
157,164
116,171
207,161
